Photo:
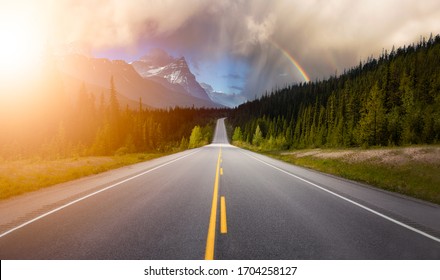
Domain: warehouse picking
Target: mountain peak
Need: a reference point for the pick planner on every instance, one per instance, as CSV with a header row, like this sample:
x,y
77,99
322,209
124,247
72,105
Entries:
x,y
175,72
157,58
181,63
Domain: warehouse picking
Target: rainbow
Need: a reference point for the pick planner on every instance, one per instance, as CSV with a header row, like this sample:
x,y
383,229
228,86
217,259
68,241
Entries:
x,y
293,60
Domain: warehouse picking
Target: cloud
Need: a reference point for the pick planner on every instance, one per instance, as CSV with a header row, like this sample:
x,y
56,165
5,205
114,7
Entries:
x,y
236,87
118,23
323,36
232,76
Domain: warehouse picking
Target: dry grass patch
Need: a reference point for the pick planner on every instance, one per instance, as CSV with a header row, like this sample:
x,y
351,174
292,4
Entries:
x,y
413,171
391,156
20,176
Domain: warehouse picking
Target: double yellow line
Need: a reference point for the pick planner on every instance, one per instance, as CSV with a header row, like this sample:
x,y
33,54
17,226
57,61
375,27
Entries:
x,y
210,241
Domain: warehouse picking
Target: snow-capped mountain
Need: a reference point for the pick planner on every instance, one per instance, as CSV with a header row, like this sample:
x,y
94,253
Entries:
x,y
150,63
170,72
95,74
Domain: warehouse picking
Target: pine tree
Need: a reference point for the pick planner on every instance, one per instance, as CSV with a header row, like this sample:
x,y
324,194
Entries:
x,y
196,138
114,103
371,125
409,111
184,143
238,135
257,140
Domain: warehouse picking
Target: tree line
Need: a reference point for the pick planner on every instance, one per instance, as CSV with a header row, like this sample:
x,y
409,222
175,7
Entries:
x,y
52,125
390,100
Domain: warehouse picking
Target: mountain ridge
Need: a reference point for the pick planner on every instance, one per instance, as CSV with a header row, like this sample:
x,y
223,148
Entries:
x,y
177,72
96,72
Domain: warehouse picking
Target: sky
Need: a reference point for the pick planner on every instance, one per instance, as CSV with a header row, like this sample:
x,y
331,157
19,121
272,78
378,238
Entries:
x,y
237,46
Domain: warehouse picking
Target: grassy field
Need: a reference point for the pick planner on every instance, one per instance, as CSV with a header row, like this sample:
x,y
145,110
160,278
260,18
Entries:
x,y
413,171
20,176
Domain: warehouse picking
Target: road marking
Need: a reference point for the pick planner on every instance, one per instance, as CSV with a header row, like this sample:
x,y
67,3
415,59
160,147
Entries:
x,y
223,224
221,170
210,239
94,193
350,201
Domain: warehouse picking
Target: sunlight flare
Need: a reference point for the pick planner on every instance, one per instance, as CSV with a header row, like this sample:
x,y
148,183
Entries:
x,y
22,38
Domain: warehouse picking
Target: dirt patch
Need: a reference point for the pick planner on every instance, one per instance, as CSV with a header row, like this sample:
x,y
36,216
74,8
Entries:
x,y
427,155
300,154
336,154
389,156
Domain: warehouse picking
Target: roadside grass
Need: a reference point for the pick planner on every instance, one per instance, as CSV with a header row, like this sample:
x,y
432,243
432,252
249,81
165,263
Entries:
x,y
412,171
21,176
413,179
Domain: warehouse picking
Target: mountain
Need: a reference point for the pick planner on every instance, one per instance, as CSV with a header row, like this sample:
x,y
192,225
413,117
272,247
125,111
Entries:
x,y
154,59
169,72
229,100
95,73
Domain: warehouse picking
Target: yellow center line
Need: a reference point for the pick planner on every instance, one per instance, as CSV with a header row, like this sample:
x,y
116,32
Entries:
x,y
210,240
223,224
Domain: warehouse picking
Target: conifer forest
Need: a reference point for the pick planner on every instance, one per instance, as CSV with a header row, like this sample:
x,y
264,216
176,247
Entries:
x,y
392,100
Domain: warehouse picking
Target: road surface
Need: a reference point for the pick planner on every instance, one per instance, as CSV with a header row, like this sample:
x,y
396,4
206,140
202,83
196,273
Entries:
x,y
217,202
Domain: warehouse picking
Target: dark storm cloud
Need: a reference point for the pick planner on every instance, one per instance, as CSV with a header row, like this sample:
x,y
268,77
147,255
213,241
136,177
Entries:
x,y
236,87
324,37
232,76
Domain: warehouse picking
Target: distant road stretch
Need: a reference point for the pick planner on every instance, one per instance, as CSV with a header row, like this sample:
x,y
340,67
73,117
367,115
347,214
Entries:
x,y
217,202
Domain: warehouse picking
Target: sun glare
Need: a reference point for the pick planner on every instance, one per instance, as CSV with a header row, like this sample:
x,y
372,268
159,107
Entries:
x,y
20,48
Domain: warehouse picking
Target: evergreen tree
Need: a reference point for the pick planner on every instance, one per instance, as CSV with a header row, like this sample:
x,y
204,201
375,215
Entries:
x,y
257,139
196,138
114,103
238,135
371,125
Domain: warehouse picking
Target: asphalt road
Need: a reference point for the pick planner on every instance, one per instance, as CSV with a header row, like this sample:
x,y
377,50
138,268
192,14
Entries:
x,y
177,207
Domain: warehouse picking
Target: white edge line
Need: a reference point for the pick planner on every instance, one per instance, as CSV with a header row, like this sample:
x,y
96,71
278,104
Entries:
x,y
92,194
349,200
